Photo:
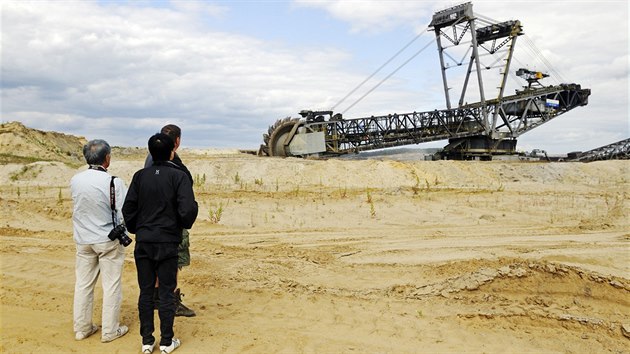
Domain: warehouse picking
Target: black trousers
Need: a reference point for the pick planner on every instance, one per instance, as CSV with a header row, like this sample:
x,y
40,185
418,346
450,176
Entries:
x,y
156,260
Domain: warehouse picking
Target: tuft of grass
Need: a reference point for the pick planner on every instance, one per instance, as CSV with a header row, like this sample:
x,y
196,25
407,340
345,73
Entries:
x,y
200,180
416,187
215,214
371,202
296,191
252,221
343,193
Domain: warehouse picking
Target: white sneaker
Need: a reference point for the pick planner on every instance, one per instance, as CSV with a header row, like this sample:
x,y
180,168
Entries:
x,y
171,348
83,335
148,348
121,331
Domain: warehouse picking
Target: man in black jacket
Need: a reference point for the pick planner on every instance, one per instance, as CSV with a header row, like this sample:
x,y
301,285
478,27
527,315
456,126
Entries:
x,y
160,203
183,258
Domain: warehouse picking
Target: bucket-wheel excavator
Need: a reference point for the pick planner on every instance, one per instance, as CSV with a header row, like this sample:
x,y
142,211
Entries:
x,y
477,130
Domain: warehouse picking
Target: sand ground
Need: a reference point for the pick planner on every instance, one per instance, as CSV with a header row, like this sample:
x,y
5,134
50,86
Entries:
x,y
308,256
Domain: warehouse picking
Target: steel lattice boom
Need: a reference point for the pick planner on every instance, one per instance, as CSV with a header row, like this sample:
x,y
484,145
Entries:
x,y
615,151
519,114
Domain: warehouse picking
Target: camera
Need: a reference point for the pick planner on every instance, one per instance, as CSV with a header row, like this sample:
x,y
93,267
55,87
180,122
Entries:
x,y
118,233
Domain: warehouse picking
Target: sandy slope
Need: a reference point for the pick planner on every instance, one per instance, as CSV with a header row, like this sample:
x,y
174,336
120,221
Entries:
x,y
349,257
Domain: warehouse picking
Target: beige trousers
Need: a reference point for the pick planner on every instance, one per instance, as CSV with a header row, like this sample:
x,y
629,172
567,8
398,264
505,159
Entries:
x,y
107,259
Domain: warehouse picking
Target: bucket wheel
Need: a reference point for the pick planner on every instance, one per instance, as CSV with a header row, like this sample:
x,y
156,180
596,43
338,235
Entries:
x,y
276,137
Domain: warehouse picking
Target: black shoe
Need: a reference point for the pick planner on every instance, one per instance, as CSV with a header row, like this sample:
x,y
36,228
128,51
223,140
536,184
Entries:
x,y
181,309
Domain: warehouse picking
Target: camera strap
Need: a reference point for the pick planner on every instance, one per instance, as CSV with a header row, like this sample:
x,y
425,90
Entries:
x,y
112,199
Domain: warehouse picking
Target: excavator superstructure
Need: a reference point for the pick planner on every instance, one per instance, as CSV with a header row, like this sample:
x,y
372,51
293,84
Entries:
x,y
479,130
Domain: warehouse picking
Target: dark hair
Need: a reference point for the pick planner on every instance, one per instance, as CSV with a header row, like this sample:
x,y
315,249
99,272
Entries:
x,y
160,147
172,131
95,151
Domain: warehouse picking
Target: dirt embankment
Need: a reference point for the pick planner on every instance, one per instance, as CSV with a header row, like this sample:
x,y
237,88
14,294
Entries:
x,y
21,144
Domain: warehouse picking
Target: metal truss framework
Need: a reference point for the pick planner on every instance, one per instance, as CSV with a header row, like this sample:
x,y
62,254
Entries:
x,y
519,114
615,151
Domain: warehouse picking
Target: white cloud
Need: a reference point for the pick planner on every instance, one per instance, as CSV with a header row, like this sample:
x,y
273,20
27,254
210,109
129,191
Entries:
x,y
374,16
105,62
199,7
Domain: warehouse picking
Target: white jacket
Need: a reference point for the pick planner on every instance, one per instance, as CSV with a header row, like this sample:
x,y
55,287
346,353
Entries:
x,y
92,214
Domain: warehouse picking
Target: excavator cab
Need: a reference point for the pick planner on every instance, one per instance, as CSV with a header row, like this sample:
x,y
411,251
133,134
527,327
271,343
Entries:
x,y
532,77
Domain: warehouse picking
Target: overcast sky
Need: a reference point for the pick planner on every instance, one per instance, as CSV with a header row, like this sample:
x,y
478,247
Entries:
x,y
226,70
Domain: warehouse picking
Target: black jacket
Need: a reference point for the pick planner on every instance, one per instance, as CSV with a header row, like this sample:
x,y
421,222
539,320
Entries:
x,y
160,203
176,160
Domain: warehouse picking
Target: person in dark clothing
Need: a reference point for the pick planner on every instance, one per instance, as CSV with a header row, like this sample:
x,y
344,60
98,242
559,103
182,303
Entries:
x,y
160,203
183,257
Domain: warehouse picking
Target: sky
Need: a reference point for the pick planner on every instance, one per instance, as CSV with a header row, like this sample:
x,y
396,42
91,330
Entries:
x,y
226,70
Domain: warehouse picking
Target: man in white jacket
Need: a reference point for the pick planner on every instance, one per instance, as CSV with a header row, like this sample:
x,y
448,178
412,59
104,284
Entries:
x,y
93,219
